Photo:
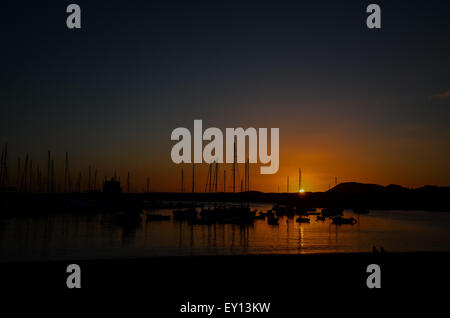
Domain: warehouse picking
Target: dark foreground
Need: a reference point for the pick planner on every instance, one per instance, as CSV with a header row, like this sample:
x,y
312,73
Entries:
x,y
325,283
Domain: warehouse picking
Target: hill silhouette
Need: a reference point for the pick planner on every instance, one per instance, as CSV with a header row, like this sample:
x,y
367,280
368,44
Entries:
x,y
345,195
356,188
369,188
366,188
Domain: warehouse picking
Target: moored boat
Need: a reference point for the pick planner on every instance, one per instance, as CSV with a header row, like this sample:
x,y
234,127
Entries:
x,y
338,220
302,220
332,212
185,214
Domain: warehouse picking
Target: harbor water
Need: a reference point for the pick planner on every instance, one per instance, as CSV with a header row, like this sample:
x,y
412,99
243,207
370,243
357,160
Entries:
x,y
95,236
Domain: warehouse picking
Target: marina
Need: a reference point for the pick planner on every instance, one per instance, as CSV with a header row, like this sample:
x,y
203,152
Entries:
x,y
162,233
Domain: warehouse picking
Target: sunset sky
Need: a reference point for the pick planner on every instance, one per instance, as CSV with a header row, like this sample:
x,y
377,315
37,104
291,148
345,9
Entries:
x,y
363,105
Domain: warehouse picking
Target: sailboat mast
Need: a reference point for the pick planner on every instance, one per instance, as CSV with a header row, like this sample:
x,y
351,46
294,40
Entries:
x,y
299,179
193,174
95,179
287,184
216,178
128,182
182,180
31,176
66,167
234,168
224,180
48,171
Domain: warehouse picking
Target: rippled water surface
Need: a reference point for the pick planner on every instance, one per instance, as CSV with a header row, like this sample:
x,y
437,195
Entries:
x,y
73,236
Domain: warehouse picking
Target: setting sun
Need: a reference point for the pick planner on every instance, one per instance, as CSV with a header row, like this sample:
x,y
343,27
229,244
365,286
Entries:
x,y
301,191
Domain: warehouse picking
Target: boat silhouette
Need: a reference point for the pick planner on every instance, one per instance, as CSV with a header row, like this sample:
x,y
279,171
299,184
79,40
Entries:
x,y
338,220
302,220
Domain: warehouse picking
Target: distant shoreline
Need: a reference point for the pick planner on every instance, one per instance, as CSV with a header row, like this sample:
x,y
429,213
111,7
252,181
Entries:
x,y
345,195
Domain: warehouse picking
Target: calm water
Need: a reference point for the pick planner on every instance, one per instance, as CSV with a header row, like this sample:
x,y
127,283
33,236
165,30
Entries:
x,y
95,236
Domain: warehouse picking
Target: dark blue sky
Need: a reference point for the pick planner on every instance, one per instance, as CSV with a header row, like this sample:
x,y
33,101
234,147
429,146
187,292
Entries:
x,y
342,95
